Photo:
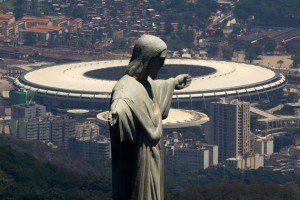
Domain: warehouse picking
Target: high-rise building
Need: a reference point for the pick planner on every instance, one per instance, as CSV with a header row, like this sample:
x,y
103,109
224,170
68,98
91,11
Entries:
x,y
44,131
229,127
28,111
55,129
68,130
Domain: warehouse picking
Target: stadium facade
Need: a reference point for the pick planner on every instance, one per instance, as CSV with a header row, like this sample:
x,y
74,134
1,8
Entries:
x,y
87,85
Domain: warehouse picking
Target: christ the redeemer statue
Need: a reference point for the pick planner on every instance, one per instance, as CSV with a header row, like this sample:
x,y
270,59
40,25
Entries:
x,y
139,103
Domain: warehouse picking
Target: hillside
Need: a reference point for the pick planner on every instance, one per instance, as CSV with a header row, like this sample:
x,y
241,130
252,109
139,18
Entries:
x,y
58,157
24,177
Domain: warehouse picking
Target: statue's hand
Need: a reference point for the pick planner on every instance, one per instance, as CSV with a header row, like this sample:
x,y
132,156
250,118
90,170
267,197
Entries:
x,y
182,81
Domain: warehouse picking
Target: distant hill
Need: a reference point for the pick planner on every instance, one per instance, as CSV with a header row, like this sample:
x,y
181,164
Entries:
x,y
24,177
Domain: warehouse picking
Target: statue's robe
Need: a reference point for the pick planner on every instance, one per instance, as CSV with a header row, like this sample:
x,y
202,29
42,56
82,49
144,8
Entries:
x,y
136,137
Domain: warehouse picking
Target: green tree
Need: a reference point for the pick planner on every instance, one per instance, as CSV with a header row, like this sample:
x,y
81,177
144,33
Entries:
x,y
219,33
269,45
236,30
280,62
188,38
227,52
78,12
239,45
18,9
269,12
296,59
29,39
212,50
253,52
168,28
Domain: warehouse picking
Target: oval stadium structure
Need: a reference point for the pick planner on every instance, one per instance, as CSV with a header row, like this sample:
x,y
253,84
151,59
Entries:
x,y
88,85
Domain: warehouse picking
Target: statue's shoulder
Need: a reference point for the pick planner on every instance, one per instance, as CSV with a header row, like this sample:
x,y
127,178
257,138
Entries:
x,y
124,83
125,88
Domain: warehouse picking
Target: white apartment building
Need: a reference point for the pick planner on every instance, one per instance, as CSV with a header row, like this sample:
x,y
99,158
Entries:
x,y
247,162
263,145
229,128
180,157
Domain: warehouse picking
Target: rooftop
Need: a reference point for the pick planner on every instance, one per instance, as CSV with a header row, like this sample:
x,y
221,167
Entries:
x,y
35,19
36,30
6,16
177,118
230,78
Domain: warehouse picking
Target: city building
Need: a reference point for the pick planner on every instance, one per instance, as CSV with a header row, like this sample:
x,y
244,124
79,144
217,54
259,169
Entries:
x,y
229,128
284,161
62,128
191,159
178,120
41,34
55,129
263,145
36,21
282,140
181,156
7,19
86,130
295,152
254,161
97,149
213,154
28,111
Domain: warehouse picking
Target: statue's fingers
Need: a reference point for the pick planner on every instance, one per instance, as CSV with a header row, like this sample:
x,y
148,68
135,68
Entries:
x,y
188,80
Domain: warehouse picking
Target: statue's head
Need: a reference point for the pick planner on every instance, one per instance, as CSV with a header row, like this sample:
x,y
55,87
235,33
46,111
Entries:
x,y
148,57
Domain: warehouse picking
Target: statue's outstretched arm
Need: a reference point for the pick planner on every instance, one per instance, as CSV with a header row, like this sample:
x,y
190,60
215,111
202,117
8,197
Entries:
x,y
182,81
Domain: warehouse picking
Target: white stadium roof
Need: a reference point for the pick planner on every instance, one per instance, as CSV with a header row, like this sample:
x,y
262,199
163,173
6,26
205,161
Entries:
x,y
177,118
229,78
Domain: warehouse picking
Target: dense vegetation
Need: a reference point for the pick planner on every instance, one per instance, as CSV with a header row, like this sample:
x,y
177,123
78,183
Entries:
x,y
6,6
294,49
233,190
270,12
214,175
252,51
187,15
224,183
24,177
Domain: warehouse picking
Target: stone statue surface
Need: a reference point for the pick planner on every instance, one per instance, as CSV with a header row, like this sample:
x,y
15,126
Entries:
x,y
139,103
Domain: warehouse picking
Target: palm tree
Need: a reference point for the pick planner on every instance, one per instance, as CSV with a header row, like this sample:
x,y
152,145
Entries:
x,y
280,62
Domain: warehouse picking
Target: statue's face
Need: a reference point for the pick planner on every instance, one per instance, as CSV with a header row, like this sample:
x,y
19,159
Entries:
x,y
155,65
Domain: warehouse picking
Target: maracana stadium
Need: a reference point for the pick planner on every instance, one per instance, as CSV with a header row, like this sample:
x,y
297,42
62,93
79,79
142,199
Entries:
x,y
88,85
